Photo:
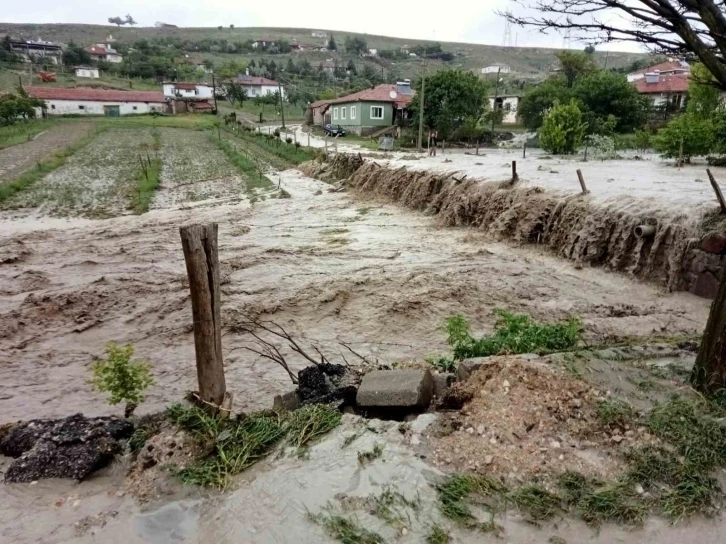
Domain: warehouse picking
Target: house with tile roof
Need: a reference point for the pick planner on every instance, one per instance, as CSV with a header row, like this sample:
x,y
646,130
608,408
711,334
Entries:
x,y
104,52
256,86
665,91
111,103
669,68
370,110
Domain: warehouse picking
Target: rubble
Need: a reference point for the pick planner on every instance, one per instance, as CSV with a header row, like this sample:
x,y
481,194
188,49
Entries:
x,y
328,383
71,447
410,389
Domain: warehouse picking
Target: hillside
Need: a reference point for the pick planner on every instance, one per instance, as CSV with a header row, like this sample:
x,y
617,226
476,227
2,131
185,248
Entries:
x,y
525,61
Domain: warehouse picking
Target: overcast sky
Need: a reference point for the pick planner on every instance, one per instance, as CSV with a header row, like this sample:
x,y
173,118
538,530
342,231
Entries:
x,y
449,20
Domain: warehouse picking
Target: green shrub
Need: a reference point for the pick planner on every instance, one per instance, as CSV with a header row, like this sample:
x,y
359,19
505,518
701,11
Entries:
x,y
123,379
563,129
643,140
603,147
687,132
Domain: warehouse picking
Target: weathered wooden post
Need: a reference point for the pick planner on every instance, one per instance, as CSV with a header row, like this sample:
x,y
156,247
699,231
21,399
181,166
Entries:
x,y
515,176
524,150
200,254
582,181
717,190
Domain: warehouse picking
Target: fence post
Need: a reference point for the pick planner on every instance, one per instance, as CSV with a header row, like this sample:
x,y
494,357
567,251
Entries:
x,y
582,181
199,243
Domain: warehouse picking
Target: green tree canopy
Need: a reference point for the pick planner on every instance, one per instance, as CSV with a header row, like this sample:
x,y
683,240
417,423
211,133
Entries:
x,y
74,54
355,45
452,97
574,65
688,135
332,46
704,96
604,94
563,129
17,106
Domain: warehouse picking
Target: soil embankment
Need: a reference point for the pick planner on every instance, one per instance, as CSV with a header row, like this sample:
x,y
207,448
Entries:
x,y
682,254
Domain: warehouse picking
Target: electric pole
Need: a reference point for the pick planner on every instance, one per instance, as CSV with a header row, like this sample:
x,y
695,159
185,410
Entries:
x,y
421,108
282,109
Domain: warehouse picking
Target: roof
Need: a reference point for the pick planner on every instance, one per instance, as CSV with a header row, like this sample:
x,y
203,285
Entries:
x,y
186,86
202,105
677,83
319,103
101,95
668,66
380,93
100,49
244,79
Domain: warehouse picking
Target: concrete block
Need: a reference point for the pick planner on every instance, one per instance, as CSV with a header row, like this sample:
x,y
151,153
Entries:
x,y
289,401
442,382
396,389
468,366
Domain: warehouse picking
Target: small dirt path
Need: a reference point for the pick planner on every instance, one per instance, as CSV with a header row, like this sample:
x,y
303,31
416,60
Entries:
x,y
17,159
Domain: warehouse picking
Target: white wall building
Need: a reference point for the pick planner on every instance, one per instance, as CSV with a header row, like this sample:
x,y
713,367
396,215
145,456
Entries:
x,y
509,103
258,86
65,101
173,89
104,52
87,71
496,68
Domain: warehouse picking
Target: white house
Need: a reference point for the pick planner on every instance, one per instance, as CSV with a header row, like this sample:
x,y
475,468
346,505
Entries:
x,y
173,89
496,68
509,103
87,71
673,67
258,86
104,52
64,101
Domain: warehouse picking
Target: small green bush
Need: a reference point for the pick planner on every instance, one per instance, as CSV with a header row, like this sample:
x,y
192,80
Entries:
x,y
288,140
563,129
643,140
687,132
123,379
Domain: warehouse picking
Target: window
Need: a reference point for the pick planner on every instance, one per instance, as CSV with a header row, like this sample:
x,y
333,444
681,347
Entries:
x,y
135,108
335,113
343,113
376,112
52,106
196,91
507,107
81,107
352,112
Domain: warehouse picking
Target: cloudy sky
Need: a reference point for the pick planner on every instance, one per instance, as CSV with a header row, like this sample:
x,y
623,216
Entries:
x,y
450,20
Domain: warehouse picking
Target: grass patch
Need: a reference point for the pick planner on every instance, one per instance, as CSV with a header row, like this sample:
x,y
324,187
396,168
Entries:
x,y
254,178
614,412
344,529
442,363
513,333
232,445
438,535
147,180
536,501
617,502
289,154
27,178
365,457
391,507
350,439
22,132
455,497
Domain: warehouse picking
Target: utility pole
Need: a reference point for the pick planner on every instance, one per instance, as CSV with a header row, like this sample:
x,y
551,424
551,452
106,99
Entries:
x,y
214,94
282,108
421,112
496,95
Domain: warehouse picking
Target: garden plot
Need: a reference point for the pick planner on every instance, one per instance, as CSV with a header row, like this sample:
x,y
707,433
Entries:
x,y
96,182
194,169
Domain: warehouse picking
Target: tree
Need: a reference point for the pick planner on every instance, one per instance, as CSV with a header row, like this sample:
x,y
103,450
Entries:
x,y
355,45
563,129
575,65
332,46
236,93
686,136
130,20
704,96
231,27
14,107
603,94
118,21
672,27
453,97
590,50
74,55
538,100
125,380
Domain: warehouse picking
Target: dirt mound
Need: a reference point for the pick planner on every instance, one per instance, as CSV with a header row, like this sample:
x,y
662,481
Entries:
x,y
522,420
335,168
72,447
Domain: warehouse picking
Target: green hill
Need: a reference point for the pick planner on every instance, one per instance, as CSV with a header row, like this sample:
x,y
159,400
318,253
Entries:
x,y
526,62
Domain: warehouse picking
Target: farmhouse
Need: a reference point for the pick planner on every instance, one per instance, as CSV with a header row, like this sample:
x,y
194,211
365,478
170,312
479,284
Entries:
x,y
104,52
370,110
318,110
176,89
496,68
37,51
508,103
670,68
667,91
258,86
86,71
65,101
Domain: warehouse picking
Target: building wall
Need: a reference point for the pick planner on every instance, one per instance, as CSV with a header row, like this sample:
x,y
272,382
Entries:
x,y
496,69
90,107
261,90
510,105
362,120
204,91
87,72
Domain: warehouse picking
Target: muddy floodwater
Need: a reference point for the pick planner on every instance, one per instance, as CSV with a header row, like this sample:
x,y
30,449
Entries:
x,y
331,268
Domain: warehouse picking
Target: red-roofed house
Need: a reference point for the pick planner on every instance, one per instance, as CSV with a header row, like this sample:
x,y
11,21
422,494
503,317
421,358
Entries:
x,y
112,103
104,52
664,90
258,86
369,110
671,67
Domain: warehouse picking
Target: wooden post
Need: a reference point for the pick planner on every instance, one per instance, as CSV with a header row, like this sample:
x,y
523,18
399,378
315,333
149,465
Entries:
x,y
308,139
680,154
326,143
582,181
200,254
515,177
524,150
717,190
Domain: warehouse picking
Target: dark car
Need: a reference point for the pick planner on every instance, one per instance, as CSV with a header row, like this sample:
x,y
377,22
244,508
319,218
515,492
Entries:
x,y
334,130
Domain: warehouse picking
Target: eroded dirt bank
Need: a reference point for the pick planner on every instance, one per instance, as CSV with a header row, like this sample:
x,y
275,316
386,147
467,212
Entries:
x,y
683,253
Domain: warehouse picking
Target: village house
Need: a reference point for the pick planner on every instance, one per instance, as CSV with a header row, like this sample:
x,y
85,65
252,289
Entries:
x,y
37,51
318,110
177,89
664,91
104,52
258,86
497,68
509,104
370,110
669,68
65,101
87,71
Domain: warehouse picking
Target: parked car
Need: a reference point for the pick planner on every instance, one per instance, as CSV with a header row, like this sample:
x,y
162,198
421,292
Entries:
x,y
334,130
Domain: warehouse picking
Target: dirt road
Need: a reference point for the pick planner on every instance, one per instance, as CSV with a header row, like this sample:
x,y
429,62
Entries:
x,y
16,159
